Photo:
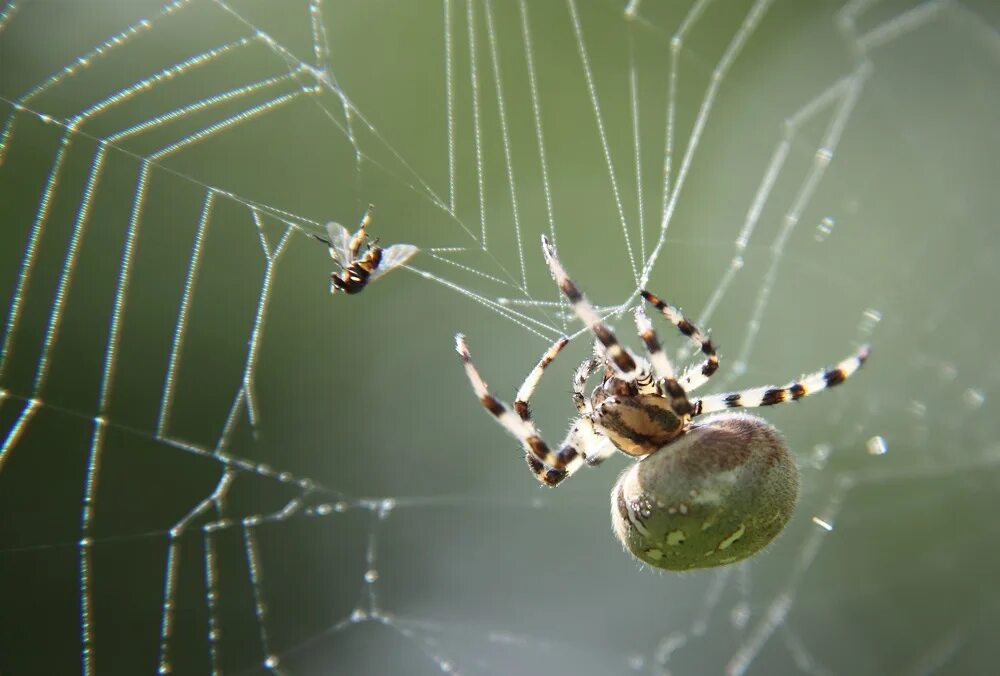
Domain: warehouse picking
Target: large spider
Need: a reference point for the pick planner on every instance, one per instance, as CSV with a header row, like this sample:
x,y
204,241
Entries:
x,y
704,492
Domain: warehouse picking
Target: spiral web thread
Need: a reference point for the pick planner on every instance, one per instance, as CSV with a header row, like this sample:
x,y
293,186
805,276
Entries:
x,y
472,252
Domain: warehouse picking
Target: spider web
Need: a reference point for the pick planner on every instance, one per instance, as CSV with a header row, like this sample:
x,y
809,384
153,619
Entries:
x,y
209,466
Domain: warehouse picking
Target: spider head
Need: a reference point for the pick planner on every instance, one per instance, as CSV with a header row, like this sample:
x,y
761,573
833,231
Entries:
x,y
634,414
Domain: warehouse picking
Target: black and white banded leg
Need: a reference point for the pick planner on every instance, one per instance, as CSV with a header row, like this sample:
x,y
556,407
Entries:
x,y
617,354
770,395
661,366
696,376
657,357
531,380
549,467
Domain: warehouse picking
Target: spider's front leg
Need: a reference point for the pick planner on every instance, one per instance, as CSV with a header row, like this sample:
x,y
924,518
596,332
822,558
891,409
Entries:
x,y
616,354
550,468
668,384
695,377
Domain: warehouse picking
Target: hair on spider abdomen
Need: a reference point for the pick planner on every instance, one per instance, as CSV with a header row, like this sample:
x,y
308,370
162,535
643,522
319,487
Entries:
x,y
718,494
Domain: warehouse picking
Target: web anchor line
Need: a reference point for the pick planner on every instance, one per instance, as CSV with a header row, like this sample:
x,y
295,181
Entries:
x,y
166,205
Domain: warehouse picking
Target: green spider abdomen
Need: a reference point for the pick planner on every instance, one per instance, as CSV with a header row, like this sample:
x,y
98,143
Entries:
x,y
715,495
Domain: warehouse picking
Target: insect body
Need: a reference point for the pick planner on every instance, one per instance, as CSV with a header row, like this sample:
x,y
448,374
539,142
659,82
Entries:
x,y
358,270
703,492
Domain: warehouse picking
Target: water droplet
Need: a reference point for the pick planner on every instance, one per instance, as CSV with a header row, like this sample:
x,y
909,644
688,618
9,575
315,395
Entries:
x,y
820,454
824,228
324,509
740,615
869,321
877,445
386,507
358,615
825,525
340,506
272,661
371,576
446,666
974,398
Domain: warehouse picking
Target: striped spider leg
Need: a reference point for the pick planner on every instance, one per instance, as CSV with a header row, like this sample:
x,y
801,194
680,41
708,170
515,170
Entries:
x,y
704,495
793,391
550,468
667,393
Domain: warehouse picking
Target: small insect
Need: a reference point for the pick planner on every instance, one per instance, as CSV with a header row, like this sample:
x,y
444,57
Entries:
x,y
703,492
357,270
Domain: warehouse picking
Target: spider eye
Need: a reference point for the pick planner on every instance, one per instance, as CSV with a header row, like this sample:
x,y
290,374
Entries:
x,y
716,495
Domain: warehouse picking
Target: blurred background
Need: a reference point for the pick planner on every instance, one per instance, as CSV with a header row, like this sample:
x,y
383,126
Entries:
x,y
210,465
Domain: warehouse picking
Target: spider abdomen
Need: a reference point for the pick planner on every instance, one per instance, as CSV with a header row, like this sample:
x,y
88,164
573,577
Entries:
x,y
715,495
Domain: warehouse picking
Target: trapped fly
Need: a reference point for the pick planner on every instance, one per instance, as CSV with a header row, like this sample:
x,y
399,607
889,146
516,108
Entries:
x,y
357,268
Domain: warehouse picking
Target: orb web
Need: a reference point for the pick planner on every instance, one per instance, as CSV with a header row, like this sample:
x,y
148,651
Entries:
x,y
207,465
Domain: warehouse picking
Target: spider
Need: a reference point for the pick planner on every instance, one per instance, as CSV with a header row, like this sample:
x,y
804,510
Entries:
x,y
358,270
704,491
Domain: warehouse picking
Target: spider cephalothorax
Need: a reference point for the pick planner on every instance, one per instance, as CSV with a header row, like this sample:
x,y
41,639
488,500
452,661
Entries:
x,y
705,492
636,417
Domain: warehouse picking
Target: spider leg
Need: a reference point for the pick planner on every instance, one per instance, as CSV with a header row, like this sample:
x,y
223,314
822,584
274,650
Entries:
x,y
769,395
583,372
549,467
692,378
661,363
531,381
598,447
618,355
668,384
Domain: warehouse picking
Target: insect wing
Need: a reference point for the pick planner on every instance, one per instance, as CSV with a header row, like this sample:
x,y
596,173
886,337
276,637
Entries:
x,y
392,258
340,243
